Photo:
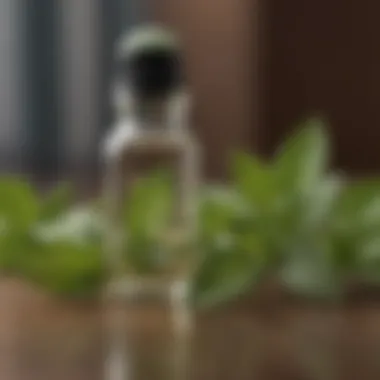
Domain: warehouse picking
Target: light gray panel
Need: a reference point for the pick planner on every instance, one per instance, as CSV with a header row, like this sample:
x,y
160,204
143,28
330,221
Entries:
x,y
80,84
10,83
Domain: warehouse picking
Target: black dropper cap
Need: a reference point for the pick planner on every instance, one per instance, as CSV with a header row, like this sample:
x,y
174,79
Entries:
x,y
148,60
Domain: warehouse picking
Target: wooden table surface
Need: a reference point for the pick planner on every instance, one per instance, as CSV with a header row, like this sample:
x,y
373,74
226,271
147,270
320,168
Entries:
x,y
45,339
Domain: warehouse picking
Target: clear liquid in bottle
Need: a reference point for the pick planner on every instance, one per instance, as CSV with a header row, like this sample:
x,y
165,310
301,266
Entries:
x,y
148,312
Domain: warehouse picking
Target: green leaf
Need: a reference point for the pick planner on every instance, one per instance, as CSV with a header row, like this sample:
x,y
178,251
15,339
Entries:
x,y
313,213
65,268
254,180
18,250
356,224
18,203
75,269
303,158
360,203
77,225
369,260
230,268
57,202
222,276
218,208
310,274
322,200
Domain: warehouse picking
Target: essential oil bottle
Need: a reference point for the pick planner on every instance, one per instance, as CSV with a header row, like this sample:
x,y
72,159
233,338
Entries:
x,y
148,311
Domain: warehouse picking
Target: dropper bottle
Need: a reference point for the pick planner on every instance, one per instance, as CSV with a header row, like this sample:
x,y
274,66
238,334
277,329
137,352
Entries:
x,y
149,313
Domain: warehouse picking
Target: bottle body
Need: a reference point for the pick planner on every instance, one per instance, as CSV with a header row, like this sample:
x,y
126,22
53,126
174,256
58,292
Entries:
x,y
149,319
150,259
151,325
142,156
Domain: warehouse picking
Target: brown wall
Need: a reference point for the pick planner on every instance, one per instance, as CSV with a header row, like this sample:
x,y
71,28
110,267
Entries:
x,y
218,41
324,58
259,67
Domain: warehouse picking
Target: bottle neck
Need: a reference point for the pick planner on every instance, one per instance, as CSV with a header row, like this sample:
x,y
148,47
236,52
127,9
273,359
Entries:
x,y
152,114
156,114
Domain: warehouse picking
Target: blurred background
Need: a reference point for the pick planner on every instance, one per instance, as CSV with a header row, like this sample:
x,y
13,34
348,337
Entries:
x,y
255,68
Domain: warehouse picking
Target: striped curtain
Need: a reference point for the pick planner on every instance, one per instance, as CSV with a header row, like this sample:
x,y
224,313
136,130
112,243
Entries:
x,y
55,73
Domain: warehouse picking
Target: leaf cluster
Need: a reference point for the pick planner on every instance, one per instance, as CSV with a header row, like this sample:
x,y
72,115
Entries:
x,y
290,216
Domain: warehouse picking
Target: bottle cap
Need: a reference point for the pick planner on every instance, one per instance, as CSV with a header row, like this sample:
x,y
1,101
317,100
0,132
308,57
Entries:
x,y
148,61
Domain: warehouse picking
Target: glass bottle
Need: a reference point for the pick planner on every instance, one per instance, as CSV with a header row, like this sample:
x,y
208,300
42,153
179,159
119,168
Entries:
x,y
149,314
